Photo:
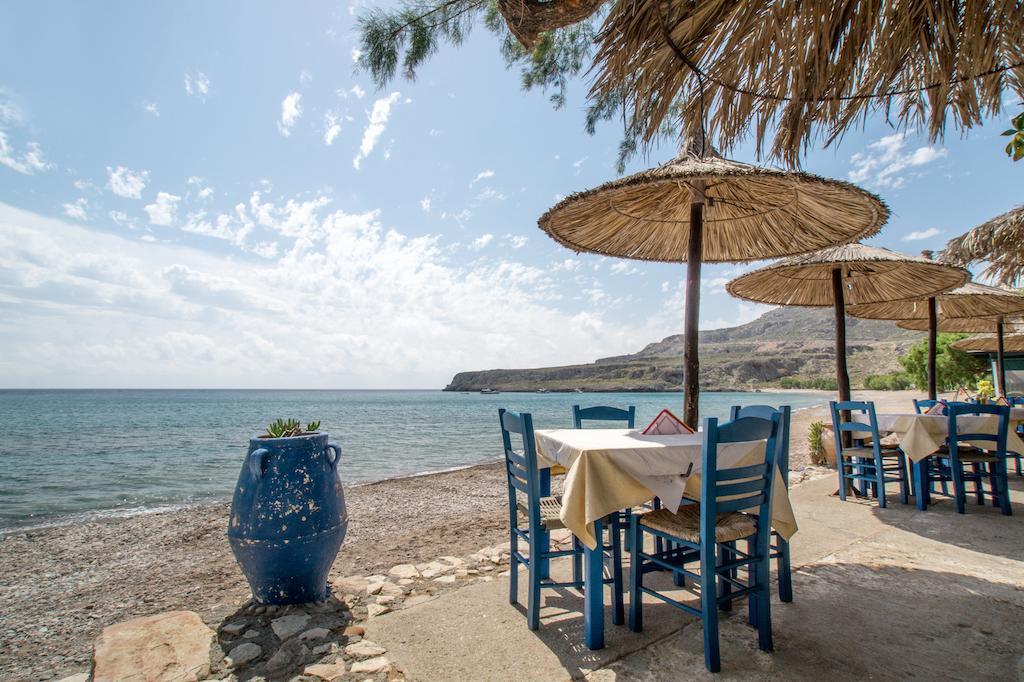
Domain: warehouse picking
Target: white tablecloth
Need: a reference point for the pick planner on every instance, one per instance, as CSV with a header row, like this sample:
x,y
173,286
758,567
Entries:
x,y
921,435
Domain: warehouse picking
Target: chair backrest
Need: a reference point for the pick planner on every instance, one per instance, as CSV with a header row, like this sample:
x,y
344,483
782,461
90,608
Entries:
x,y
603,413
998,439
521,463
857,418
737,488
782,442
922,406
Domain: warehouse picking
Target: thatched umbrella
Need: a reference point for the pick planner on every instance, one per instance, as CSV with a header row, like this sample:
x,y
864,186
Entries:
x,y
972,300
853,273
999,242
699,208
988,343
973,325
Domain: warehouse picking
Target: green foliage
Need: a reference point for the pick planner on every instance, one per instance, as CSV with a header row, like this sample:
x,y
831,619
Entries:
x,y
953,368
814,383
1015,148
815,445
287,428
893,381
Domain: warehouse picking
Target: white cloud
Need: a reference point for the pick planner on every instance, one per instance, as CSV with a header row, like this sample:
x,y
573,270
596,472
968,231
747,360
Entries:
x,y
919,235
332,128
568,265
164,210
356,54
578,165
123,219
357,91
127,183
482,175
378,120
884,163
481,241
623,267
197,85
202,191
490,194
151,108
77,209
28,163
517,241
291,109
434,132
425,204
305,77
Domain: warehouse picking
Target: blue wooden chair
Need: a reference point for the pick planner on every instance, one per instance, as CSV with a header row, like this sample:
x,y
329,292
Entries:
x,y
866,462
989,462
922,406
1018,457
708,534
779,546
529,495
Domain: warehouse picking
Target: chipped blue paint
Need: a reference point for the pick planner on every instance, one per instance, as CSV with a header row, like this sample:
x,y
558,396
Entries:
x,y
288,517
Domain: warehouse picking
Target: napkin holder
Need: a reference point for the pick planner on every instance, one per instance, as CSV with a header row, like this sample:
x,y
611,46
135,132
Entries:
x,y
666,424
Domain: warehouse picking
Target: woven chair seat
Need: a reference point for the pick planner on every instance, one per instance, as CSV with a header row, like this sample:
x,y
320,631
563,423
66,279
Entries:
x,y
976,456
685,524
887,452
550,512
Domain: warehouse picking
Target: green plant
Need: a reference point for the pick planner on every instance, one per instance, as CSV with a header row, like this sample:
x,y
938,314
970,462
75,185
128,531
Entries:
x,y
282,428
1015,149
815,446
893,381
953,368
814,383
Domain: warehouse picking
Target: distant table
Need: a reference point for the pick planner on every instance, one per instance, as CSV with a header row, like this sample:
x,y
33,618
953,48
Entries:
x,y
614,469
922,435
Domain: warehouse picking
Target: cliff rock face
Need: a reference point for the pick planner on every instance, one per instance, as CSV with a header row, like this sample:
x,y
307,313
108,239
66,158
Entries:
x,y
785,342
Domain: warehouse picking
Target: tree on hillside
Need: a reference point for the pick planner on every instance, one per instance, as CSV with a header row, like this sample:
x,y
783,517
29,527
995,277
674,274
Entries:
x,y
953,368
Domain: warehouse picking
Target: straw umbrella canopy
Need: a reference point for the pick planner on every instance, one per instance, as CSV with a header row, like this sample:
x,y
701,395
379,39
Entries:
x,y
958,307
999,242
973,325
987,343
700,208
853,273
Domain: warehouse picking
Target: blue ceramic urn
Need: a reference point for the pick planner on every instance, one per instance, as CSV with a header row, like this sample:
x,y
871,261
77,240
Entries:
x,y
288,517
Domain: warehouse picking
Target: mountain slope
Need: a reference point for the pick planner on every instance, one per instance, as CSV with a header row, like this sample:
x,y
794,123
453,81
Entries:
x,y
785,342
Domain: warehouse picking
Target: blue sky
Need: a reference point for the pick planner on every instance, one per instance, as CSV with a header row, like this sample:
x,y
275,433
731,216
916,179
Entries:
x,y
207,195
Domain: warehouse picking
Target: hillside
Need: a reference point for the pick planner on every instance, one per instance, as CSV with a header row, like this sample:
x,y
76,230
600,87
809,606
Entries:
x,y
785,342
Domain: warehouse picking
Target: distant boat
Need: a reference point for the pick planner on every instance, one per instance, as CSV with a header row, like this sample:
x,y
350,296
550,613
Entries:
x,y
489,391
543,390
577,390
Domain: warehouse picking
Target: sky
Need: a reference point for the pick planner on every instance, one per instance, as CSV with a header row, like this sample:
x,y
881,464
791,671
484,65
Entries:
x,y
204,195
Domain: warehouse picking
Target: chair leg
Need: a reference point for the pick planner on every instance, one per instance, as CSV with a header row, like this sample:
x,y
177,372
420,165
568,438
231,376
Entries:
x,y
978,490
878,485
534,572
577,562
959,490
709,608
618,609
678,579
841,468
724,586
636,623
1002,476
627,514
513,569
752,580
763,600
904,480
784,569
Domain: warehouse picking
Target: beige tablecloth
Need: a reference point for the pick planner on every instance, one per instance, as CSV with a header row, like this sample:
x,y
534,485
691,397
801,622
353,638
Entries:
x,y
612,469
921,435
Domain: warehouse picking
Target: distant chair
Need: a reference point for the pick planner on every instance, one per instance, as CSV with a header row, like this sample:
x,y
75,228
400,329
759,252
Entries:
x,y
603,413
866,463
779,546
708,533
530,498
987,462
922,406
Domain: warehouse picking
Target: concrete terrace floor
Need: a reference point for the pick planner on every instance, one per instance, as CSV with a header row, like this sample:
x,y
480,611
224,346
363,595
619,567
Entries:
x,y
878,593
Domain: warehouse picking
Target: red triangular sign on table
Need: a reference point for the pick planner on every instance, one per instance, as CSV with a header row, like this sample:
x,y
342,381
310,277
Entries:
x,y
665,424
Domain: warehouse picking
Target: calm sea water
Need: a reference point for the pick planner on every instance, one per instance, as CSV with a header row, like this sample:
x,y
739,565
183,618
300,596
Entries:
x,y
66,455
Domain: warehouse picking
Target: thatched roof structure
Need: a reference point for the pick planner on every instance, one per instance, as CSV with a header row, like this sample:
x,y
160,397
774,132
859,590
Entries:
x,y
986,343
798,71
998,242
970,300
964,325
870,274
751,213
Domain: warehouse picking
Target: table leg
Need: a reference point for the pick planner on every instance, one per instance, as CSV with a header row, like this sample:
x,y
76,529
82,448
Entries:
x,y
921,483
544,565
593,591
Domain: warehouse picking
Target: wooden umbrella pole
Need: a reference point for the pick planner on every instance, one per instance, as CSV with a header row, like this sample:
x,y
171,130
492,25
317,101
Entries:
x,y
933,324
1000,359
842,375
691,358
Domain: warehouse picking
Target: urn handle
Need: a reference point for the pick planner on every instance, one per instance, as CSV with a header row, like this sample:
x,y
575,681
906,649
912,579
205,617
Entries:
x,y
335,449
257,460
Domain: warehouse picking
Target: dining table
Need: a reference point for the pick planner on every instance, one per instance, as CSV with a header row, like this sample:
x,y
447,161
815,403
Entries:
x,y
922,435
608,470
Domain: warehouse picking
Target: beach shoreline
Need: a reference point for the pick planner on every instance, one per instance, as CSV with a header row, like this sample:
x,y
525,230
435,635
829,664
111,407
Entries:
x,y
62,584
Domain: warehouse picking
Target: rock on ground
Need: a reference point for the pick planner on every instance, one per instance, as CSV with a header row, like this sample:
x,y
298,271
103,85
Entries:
x,y
167,646
243,653
288,626
371,665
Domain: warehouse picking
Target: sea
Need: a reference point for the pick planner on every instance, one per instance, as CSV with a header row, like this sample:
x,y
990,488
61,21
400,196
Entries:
x,y
73,455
